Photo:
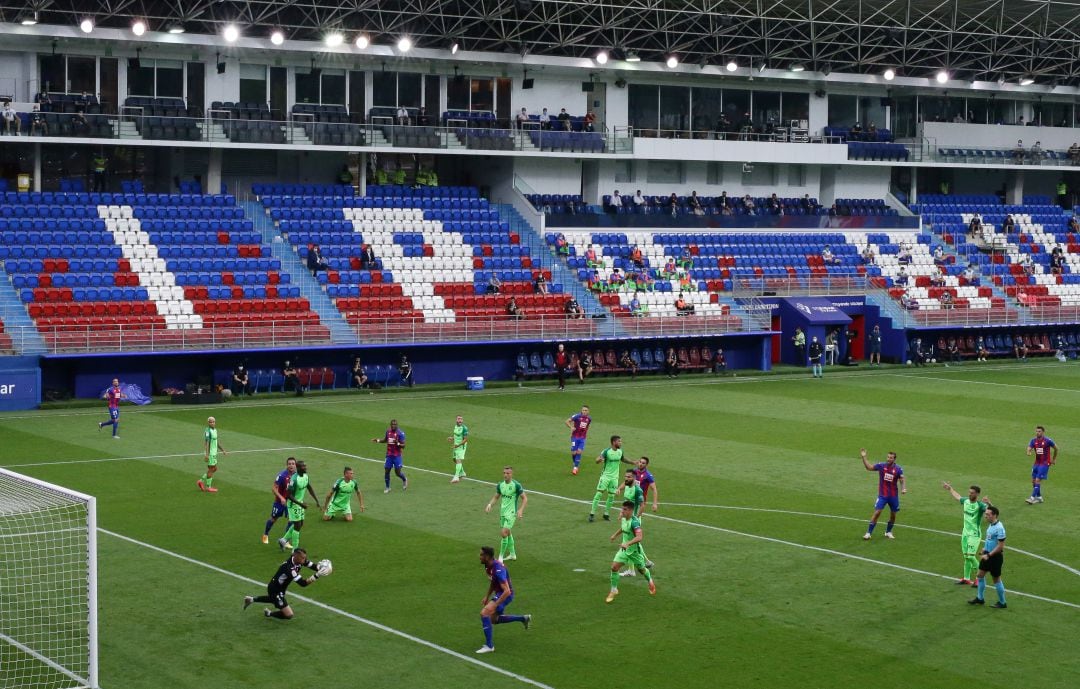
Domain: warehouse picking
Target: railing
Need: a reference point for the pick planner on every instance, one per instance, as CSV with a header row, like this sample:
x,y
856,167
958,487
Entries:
x,y
301,129
833,285
72,339
1010,315
778,135
1002,156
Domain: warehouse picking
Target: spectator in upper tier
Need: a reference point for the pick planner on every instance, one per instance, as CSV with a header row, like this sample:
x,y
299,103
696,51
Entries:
x,y
640,204
1008,226
682,306
939,256
590,121
806,203
1074,154
868,255
723,201
1019,151
637,258
540,285
564,120
828,258
616,279
402,116
522,118
494,285
42,100
513,310
1057,261
1036,154
946,300
562,247
1074,225
38,123
11,119
573,309
695,204
970,275
591,258
673,204
638,308
367,257
545,119
615,202
975,226
901,277
315,260
748,204
422,119
773,204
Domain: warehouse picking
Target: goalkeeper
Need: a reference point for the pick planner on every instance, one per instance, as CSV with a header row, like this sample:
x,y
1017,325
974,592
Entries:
x,y
287,573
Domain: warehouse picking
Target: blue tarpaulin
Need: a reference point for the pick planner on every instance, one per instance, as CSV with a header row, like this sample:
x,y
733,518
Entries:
x,y
132,393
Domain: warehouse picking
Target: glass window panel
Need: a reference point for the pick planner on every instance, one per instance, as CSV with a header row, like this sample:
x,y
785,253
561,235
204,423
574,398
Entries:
x,y
903,116
978,110
674,107
141,79
356,93
170,79
52,73
307,86
253,72
1003,111
457,93
409,86
706,108
643,110
736,105
82,75
384,90
871,111
333,86
483,94
252,91
431,94
664,172
842,110
766,108
796,106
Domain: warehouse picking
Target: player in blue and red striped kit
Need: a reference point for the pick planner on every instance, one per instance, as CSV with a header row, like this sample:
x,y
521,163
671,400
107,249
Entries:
x,y
500,594
579,429
113,396
890,485
645,479
1045,451
280,489
394,439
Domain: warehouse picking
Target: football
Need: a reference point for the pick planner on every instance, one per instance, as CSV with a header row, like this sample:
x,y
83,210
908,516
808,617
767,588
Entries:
x,y
909,362
933,361
324,567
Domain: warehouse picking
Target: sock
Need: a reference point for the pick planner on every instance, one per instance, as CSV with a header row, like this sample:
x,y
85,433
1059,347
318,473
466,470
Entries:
x,y
1036,490
459,469
595,502
870,527
115,427
646,572
278,614
209,481
889,526
269,525
512,550
295,539
402,477
971,565
386,479
576,459
486,622
1000,587
614,581
204,476
982,587
607,505
503,619
262,599
504,547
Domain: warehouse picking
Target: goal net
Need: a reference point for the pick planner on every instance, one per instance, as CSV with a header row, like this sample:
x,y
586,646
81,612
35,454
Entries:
x,y
48,591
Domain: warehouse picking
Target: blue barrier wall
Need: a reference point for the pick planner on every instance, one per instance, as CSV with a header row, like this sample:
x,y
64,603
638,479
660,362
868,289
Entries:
x,y
20,383
664,221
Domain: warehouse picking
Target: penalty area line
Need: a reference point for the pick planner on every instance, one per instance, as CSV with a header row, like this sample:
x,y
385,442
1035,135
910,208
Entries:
x,y
126,459
337,611
720,529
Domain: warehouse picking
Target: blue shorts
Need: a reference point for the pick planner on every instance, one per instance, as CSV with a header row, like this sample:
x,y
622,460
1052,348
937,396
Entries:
x,y
392,462
114,414
502,603
1040,471
278,510
577,445
893,503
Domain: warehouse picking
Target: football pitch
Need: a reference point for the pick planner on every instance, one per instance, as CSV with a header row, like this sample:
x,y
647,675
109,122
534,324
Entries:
x,y
763,576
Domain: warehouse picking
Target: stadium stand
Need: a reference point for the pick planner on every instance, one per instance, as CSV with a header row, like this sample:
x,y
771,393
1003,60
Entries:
x,y
713,205
6,345
100,271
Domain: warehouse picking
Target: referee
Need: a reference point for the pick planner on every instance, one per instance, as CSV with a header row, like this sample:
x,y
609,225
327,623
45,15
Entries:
x,y
991,560
287,573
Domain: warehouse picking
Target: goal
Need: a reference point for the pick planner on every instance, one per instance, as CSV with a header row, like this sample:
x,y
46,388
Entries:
x,y
48,590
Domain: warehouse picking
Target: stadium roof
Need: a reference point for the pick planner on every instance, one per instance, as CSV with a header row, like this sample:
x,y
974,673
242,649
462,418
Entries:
x,y
973,39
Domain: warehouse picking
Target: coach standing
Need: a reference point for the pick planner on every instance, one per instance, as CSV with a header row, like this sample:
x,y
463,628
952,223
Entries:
x,y
562,362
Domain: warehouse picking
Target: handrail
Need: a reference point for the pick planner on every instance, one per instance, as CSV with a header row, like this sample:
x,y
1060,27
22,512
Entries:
x,y
810,285
778,135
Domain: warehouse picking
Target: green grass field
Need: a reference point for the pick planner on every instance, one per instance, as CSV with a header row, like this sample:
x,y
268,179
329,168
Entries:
x,y
764,579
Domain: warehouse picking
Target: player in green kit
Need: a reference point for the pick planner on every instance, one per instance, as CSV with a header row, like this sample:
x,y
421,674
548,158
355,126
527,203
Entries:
x,y
459,442
609,477
971,536
510,491
630,552
630,491
210,451
299,484
339,499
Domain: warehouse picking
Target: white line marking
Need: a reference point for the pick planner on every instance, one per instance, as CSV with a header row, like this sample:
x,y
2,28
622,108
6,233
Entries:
x,y
986,382
83,682
905,527
125,459
768,539
532,390
337,611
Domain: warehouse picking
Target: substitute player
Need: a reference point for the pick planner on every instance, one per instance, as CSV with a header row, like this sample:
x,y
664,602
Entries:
x,y
339,499
579,430
287,573
500,594
1045,451
394,439
299,484
891,485
112,397
608,484
280,489
971,536
630,551
993,556
459,442
210,452
511,493
647,482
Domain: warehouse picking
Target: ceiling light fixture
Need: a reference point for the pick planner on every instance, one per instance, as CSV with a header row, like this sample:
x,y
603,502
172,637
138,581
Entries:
x,y
455,47
28,19
672,62
277,37
1027,80
631,56
362,41
334,39
87,25
602,57
231,33
942,76
404,44
138,27
889,74
798,67
731,66
177,28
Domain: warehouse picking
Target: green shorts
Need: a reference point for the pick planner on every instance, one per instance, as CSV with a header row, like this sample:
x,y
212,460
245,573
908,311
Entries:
x,y
608,485
296,513
506,522
633,557
970,544
459,453
332,511
211,461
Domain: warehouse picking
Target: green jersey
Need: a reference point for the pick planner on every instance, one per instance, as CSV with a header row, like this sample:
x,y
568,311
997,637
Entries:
x,y
612,460
973,514
634,494
461,436
343,492
210,436
510,492
628,528
298,486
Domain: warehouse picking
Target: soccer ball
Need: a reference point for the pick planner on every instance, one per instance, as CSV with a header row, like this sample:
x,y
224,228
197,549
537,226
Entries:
x,y
908,362
324,567
933,361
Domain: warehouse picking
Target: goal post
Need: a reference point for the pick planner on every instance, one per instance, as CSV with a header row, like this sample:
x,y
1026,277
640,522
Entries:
x,y
48,591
